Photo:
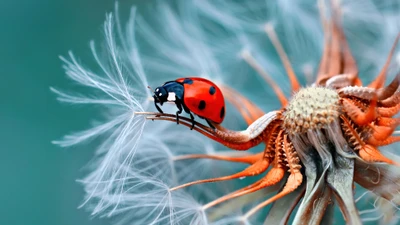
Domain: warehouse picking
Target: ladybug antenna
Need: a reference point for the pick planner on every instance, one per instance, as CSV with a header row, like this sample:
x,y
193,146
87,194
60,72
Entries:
x,y
151,89
151,92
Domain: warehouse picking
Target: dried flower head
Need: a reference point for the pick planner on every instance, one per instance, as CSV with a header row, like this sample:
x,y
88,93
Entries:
x,y
322,148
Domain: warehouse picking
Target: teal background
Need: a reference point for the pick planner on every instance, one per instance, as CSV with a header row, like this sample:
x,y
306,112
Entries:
x,y
38,179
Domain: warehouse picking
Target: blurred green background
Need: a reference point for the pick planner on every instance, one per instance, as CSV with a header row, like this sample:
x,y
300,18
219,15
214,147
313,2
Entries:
x,y
38,184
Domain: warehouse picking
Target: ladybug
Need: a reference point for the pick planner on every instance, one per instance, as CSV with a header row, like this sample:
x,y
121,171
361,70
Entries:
x,y
194,95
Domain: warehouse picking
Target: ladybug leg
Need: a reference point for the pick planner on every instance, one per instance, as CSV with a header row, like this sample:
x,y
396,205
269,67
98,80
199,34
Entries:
x,y
191,116
192,119
179,105
210,124
157,107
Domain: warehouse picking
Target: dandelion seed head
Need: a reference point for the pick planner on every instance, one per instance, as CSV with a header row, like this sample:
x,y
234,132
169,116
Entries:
x,y
311,108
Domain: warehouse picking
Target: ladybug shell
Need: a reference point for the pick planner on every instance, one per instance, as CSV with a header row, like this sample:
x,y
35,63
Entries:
x,y
203,98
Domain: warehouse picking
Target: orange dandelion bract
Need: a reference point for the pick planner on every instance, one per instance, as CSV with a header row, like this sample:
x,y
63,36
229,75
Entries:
x,y
329,132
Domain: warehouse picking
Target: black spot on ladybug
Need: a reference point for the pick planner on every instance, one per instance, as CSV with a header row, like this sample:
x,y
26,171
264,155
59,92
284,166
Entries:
x,y
202,105
188,81
211,90
222,113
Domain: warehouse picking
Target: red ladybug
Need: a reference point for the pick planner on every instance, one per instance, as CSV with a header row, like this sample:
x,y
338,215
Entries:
x,y
193,94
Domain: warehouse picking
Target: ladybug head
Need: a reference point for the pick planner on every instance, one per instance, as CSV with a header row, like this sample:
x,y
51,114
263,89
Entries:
x,y
160,95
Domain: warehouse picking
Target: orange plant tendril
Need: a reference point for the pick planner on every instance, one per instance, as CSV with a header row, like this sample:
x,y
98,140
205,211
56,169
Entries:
x,y
335,104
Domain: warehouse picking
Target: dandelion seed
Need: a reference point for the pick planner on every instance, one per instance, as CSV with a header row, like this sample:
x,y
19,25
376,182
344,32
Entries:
x,y
321,141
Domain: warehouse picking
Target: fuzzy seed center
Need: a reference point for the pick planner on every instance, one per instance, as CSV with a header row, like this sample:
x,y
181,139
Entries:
x,y
311,108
